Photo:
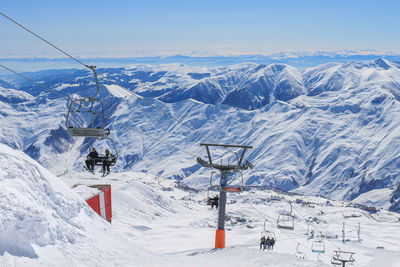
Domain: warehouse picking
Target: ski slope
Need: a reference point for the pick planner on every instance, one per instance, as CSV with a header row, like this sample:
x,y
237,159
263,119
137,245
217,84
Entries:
x,y
147,208
151,209
45,223
156,222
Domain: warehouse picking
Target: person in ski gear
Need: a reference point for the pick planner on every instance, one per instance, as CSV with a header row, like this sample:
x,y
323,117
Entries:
x,y
272,243
312,234
214,202
267,242
262,242
90,159
107,161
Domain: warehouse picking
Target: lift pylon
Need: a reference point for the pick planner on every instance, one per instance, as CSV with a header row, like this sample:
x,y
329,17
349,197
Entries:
x,y
225,170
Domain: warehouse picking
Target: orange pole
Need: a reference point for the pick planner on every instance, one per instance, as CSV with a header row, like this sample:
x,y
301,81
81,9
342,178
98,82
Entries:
x,y
220,238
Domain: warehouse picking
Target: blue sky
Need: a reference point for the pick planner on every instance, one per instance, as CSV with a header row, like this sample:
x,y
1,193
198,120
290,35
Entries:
x,y
150,27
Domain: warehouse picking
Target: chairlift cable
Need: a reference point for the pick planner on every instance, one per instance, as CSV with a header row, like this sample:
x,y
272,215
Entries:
x,y
113,82
44,40
32,81
158,108
91,68
151,104
158,139
315,228
265,217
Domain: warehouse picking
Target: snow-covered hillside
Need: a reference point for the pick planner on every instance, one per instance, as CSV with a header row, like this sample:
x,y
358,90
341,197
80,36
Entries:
x,y
330,130
160,222
45,223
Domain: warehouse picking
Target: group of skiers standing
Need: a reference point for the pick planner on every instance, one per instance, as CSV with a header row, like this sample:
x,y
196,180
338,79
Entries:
x,y
267,243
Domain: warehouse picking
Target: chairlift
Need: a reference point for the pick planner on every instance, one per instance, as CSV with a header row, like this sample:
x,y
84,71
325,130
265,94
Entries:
x,y
99,160
343,258
299,254
309,233
230,187
91,108
265,232
336,261
212,187
286,220
318,246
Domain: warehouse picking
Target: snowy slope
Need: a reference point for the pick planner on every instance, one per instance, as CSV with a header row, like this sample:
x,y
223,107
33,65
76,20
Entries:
x,y
149,208
329,130
45,223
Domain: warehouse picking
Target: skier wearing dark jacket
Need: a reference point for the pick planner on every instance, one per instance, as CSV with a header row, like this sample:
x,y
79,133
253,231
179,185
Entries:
x,y
107,161
262,243
91,159
272,243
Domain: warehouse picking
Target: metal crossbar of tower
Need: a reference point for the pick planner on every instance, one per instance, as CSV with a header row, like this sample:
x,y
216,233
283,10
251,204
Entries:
x,y
341,258
224,187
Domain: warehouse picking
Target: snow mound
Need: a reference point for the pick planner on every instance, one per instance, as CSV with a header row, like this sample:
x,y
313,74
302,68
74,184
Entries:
x,y
36,208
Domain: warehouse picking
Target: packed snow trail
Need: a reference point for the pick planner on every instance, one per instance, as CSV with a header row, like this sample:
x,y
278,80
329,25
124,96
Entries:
x,y
157,223
45,223
158,213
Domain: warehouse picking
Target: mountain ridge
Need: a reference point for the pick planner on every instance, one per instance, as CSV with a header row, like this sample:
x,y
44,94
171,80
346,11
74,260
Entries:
x,y
333,132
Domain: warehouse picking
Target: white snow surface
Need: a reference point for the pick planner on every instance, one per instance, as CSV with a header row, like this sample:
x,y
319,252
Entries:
x,y
116,90
45,223
156,222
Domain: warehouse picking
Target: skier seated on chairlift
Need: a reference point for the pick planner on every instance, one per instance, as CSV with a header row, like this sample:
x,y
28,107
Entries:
x,y
90,159
262,242
214,202
268,243
272,243
107,161
312,234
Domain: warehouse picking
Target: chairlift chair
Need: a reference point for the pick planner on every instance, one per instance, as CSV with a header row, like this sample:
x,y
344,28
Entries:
x,y
286,220
99,160
95,110
92,107
266,232
299,254
238,188
342,258
318,246
335,261
209,199
210,188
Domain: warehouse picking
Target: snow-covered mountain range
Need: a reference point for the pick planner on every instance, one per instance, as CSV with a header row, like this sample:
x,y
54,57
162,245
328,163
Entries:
x,y
329,130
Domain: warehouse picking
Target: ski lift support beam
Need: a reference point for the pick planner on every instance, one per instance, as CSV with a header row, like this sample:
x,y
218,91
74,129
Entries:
x,y
222,167
225,170
343,257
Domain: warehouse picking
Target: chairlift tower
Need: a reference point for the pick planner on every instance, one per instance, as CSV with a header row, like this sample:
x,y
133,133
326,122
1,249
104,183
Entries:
x,y
224,186
343,258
